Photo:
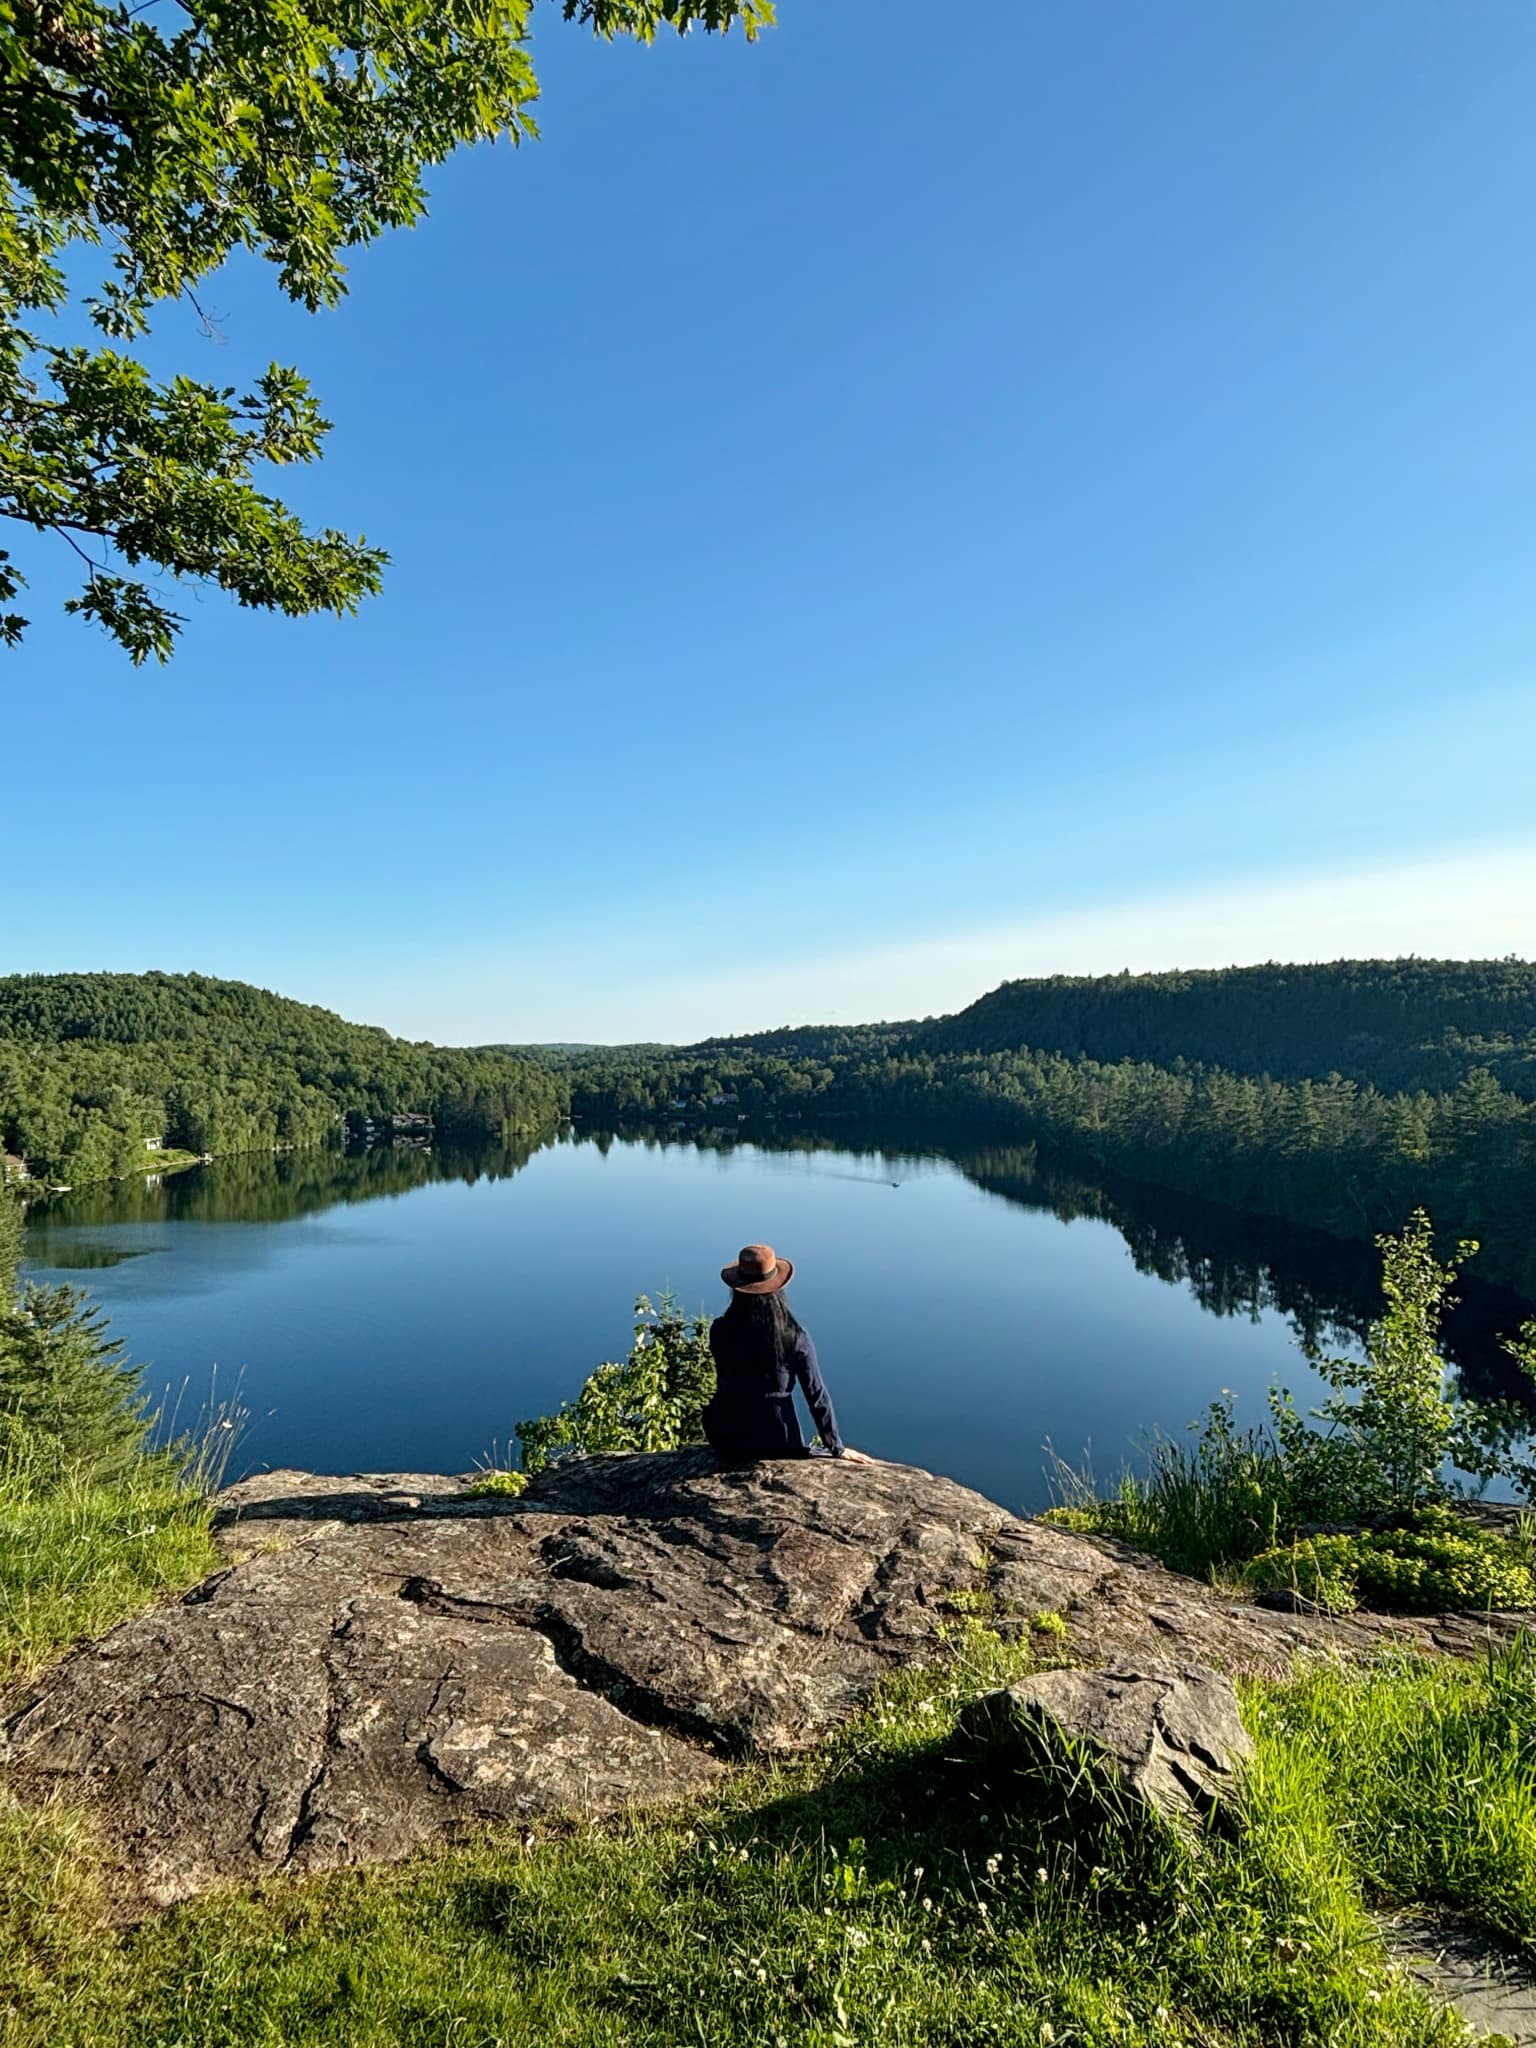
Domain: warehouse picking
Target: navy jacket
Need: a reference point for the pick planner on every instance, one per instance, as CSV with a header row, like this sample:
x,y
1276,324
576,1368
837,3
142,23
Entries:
x,y
753,1412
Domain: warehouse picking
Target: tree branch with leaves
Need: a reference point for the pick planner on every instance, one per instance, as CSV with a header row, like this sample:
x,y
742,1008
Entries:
x,y
171,136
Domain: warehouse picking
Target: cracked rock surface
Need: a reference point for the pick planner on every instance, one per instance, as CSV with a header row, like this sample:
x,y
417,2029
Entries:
x,y
385,1660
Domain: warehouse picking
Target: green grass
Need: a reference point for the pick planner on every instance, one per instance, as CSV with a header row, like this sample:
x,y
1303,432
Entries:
x,y
893,1891
890,1892
78,1554
1222,1512
1216,1500
1425,1776
1225,1506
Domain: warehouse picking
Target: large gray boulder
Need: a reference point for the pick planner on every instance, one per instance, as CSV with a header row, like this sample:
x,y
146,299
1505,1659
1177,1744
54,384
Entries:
x,y
385,1661
1168,1737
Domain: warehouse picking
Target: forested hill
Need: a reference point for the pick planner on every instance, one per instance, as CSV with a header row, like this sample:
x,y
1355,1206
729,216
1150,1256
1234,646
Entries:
x,y
93,1065
1397,1024
1339,1097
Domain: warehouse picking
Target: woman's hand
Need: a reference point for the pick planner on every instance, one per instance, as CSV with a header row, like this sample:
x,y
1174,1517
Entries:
x,y
857,1457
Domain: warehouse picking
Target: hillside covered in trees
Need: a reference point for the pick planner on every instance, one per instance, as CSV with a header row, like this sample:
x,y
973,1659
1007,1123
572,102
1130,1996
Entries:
x,y
94,1065
1339,1097
1396,1024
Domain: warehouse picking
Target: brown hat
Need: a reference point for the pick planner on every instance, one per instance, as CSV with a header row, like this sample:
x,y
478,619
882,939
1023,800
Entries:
x,y
757,1271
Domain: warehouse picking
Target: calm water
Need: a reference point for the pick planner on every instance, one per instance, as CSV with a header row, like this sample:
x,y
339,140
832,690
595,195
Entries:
x,y
404,1309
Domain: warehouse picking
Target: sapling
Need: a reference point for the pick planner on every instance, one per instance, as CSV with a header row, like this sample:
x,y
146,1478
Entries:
x,y
1396,1422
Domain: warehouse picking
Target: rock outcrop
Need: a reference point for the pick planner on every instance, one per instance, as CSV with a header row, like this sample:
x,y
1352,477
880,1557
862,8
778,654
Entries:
x,y
1459,1965
1168,1737
386,1660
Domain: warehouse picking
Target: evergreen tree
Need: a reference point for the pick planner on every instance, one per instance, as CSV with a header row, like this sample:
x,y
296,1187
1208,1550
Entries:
x,y
66,1388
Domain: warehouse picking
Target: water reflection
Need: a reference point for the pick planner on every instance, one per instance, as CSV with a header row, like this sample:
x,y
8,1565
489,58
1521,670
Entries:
x,y
265,1187
1232,1265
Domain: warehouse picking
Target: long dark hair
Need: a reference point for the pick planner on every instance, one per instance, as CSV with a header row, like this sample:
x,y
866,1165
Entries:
x,y
763,1326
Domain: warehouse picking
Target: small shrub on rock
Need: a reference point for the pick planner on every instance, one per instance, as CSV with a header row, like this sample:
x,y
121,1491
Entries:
x,y
654,1400
1436,1564
491,1485
1395,1420
1380,1447
1313,1568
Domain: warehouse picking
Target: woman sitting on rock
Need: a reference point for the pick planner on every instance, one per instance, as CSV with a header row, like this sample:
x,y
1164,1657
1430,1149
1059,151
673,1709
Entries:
x,y
760,1352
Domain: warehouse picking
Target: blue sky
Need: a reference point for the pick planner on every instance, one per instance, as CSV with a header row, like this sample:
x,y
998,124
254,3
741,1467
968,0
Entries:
x,y
941,493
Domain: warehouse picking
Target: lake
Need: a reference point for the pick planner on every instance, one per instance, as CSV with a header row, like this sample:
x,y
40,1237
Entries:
x,y
402,1309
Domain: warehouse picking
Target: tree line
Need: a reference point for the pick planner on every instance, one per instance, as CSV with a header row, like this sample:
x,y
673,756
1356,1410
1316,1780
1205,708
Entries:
x,y
1396,1024
95,1067
1350,1153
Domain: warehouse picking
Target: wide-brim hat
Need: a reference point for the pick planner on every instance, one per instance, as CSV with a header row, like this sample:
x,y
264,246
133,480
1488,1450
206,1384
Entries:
x,y
758,1270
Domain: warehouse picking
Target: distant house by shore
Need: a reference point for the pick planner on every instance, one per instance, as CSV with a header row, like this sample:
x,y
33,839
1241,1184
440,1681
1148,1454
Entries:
x,y
154,1144
14,1167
